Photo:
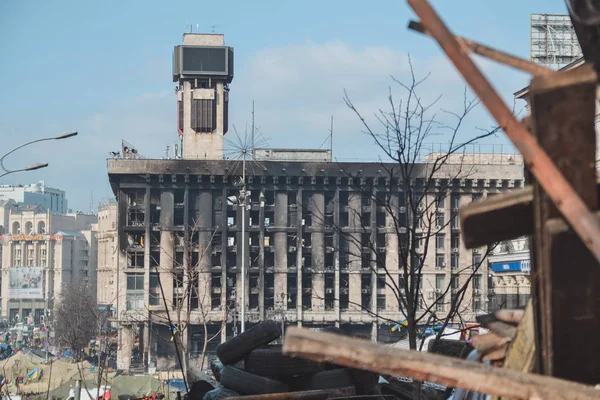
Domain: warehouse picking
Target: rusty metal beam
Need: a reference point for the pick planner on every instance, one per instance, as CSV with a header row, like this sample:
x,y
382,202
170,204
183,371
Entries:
x,y
538,163
490,53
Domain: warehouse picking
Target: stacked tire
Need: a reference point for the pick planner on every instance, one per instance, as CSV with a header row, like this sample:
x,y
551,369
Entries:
x,y
249,364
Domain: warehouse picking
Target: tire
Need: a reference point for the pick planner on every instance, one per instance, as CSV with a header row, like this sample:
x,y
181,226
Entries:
x,y
238,347
332,379
270,362
199,390
246,383
364,381
220,393
216,366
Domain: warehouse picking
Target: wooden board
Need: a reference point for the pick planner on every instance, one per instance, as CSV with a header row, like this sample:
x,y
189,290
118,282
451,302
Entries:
x,y
362,354
563,113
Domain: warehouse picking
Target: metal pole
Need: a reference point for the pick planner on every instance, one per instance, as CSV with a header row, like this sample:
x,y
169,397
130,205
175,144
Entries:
x,y
77,395
243,203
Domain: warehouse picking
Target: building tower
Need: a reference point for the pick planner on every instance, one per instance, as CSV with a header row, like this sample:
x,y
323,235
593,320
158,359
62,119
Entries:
x,y
203,69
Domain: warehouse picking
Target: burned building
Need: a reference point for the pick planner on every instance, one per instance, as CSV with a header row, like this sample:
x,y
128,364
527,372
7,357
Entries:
x,y
297,232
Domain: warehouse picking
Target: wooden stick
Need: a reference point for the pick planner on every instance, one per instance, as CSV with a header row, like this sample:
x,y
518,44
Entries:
x,y
361,354
502,217
492,54
541,166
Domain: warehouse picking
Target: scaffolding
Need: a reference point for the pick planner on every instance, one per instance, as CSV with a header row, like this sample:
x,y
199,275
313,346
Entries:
x,y
553,42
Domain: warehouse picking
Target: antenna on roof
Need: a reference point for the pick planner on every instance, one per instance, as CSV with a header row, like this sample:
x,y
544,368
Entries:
x,y
213,28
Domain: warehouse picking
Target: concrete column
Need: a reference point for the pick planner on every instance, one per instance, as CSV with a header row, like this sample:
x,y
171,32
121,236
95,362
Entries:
x,y
299,231
205,227
281,210
125,347
223,224
318,251
336,259
261,257
147,271
374,329
374,265
167,245
242,242
354,249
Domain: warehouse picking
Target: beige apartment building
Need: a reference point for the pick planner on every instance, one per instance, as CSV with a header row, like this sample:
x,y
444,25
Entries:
x,y
40,253
107,254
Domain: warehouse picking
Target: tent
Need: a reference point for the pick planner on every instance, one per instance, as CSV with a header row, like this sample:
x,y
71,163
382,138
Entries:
x,y
135,387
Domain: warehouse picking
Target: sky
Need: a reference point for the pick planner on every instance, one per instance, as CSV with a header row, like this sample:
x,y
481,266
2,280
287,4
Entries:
x,y
104,69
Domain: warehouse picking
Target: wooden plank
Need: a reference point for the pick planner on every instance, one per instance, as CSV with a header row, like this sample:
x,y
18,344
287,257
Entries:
x,y
490,53
356,353
588,35
574,317
502,217
521,354
558,188
562,119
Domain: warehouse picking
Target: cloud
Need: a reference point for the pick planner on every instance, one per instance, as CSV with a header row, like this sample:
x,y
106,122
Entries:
x,y
299,87
296,89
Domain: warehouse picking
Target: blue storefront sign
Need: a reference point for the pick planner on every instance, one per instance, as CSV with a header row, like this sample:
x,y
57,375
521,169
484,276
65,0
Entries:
x,y
512,266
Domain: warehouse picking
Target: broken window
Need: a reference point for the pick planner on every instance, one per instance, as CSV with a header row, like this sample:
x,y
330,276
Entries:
x,y
135,260
306,291
365,286
292,289
216,290
254,291
329,291
344,291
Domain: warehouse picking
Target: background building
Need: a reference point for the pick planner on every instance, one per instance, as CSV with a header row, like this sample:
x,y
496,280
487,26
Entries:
x,y
302,214
35,194
40,253
107,253
509,275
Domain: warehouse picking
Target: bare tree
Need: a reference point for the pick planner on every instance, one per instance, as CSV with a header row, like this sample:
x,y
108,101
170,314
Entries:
x,y
192,293
410,188
77,317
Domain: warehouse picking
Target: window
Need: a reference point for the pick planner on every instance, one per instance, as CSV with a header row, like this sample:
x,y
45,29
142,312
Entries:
x,y
380,302
180,116
454,283
454,261
204,115
455,240
154,290
439,281
418,241
440,261
440,220
476,260
135,291
477,282
441,200
440,238
454,201
455,223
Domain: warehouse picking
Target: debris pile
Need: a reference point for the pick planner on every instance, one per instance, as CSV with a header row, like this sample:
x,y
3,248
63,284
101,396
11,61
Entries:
x,y
250,364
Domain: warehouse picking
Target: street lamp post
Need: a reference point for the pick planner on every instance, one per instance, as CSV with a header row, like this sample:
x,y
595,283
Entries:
x,y
34,166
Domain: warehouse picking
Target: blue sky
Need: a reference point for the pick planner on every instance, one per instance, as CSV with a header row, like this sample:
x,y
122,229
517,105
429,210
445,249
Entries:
x,y
104,69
